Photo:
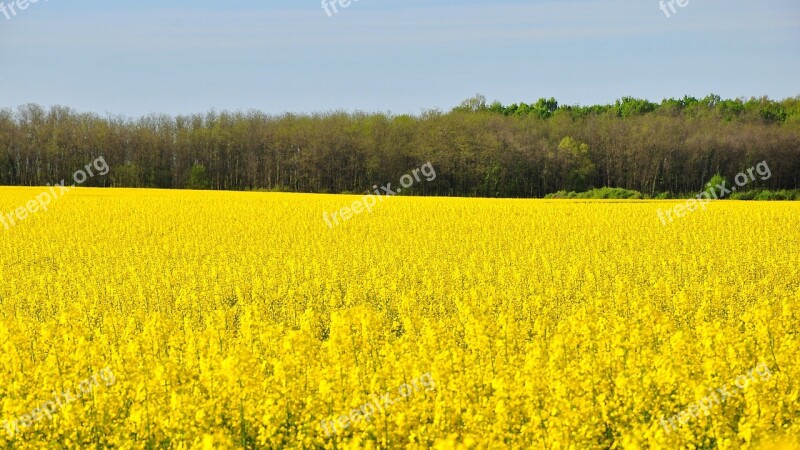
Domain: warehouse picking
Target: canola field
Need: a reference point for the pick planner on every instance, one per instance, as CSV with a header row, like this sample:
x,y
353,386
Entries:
x,y
140,319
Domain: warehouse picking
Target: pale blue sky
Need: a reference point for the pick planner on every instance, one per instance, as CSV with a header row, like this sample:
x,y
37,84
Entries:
x,y
401,56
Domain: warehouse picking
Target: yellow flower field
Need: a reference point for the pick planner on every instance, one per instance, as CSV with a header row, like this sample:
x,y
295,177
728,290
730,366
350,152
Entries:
x,y
183,319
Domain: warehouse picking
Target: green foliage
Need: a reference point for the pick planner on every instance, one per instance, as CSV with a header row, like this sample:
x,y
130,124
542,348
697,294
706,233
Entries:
x,y
601,193
765,194
580,166
561,195
198,179
760,109
479,149
711,185
473,104
126,175
283,188
629,106
544,108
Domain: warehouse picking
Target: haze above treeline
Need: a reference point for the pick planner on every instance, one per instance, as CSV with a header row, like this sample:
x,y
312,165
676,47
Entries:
x,y
477,148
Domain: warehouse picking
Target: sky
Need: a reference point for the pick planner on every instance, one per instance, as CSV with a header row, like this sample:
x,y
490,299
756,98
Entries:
x,y
140,57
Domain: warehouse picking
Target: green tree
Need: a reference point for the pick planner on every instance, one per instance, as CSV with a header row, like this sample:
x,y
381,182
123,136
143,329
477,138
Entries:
x,y
711,185
126,175
544,108
580,167
198,179
473,104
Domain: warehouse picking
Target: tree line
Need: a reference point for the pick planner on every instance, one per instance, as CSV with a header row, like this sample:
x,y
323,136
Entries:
x,y
477,148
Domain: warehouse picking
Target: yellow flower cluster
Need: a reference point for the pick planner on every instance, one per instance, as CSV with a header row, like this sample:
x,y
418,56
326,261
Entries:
x,y
240,320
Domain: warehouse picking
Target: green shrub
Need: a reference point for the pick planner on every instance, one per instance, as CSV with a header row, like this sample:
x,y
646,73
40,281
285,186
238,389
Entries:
x,y
767,195
556,195
627,194
711,186
744,195
611,193
601,193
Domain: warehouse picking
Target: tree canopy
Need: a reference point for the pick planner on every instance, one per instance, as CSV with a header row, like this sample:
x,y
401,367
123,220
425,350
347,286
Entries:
x,y
478,148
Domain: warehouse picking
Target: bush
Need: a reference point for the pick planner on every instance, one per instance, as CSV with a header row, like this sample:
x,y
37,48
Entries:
x,y
602,193
558,195
744,195
611,193
712,184
767,195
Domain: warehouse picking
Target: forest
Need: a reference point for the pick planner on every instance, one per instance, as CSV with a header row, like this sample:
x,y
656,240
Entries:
x,y
478,149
